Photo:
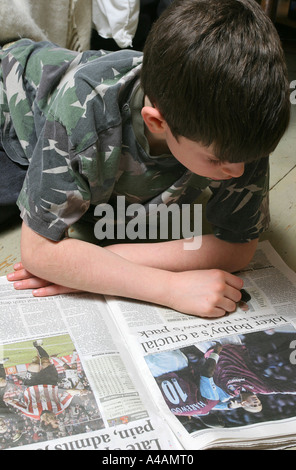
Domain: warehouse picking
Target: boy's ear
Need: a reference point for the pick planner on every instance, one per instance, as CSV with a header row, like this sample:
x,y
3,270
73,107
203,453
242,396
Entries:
x,y
153,119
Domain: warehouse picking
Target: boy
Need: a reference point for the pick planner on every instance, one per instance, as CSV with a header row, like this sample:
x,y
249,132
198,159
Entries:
x,y
213,102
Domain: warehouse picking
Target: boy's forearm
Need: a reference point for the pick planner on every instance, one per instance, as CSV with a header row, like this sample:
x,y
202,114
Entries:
x,y
84,266
172,256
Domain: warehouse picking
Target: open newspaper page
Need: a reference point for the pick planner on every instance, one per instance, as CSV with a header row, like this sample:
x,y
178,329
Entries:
x,y
229,382
66,381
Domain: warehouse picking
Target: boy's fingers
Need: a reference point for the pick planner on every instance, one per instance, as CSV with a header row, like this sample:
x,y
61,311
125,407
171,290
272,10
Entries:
x,y
233,294
19,275
31,283
227,305
234,281
216,312
51,290
18,266
22,279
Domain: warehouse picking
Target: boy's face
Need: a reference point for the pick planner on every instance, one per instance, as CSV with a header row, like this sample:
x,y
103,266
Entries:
x,y
200,160
193,155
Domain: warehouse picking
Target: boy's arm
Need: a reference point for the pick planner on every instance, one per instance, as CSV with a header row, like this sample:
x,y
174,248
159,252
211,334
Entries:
x,y
212,254
76,264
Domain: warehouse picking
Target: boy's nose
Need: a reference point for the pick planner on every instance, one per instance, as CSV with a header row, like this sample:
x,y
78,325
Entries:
x,y
235,170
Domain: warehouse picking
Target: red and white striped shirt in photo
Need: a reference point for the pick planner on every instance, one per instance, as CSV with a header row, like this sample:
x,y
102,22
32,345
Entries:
x,y
39,398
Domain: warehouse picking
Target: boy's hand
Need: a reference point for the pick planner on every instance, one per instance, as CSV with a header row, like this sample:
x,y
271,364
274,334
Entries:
x,y
205,293
24,280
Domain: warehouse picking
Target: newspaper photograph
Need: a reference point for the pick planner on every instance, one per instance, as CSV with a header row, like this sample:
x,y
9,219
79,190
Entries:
x,y
44,392
239,381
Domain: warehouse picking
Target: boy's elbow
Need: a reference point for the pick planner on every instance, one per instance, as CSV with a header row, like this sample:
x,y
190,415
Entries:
x,y
30,261
245,255
35,252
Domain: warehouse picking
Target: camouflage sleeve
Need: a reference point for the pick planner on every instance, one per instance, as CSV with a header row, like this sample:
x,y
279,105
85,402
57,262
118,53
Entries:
x,y
239,208
54,194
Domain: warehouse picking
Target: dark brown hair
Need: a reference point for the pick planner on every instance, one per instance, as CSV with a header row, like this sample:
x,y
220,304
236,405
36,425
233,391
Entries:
x,y
216,71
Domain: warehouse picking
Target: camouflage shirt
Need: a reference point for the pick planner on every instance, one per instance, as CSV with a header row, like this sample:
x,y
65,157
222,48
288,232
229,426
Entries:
x,y
68,117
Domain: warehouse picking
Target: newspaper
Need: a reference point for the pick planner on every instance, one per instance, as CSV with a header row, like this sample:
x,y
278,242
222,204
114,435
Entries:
x,y
64,380
84,372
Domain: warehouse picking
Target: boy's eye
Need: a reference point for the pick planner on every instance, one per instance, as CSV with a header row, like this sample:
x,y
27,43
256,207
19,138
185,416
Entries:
x,y
214,162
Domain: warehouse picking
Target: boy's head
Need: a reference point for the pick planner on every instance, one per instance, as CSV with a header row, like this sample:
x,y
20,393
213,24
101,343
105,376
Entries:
x,y
216,72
